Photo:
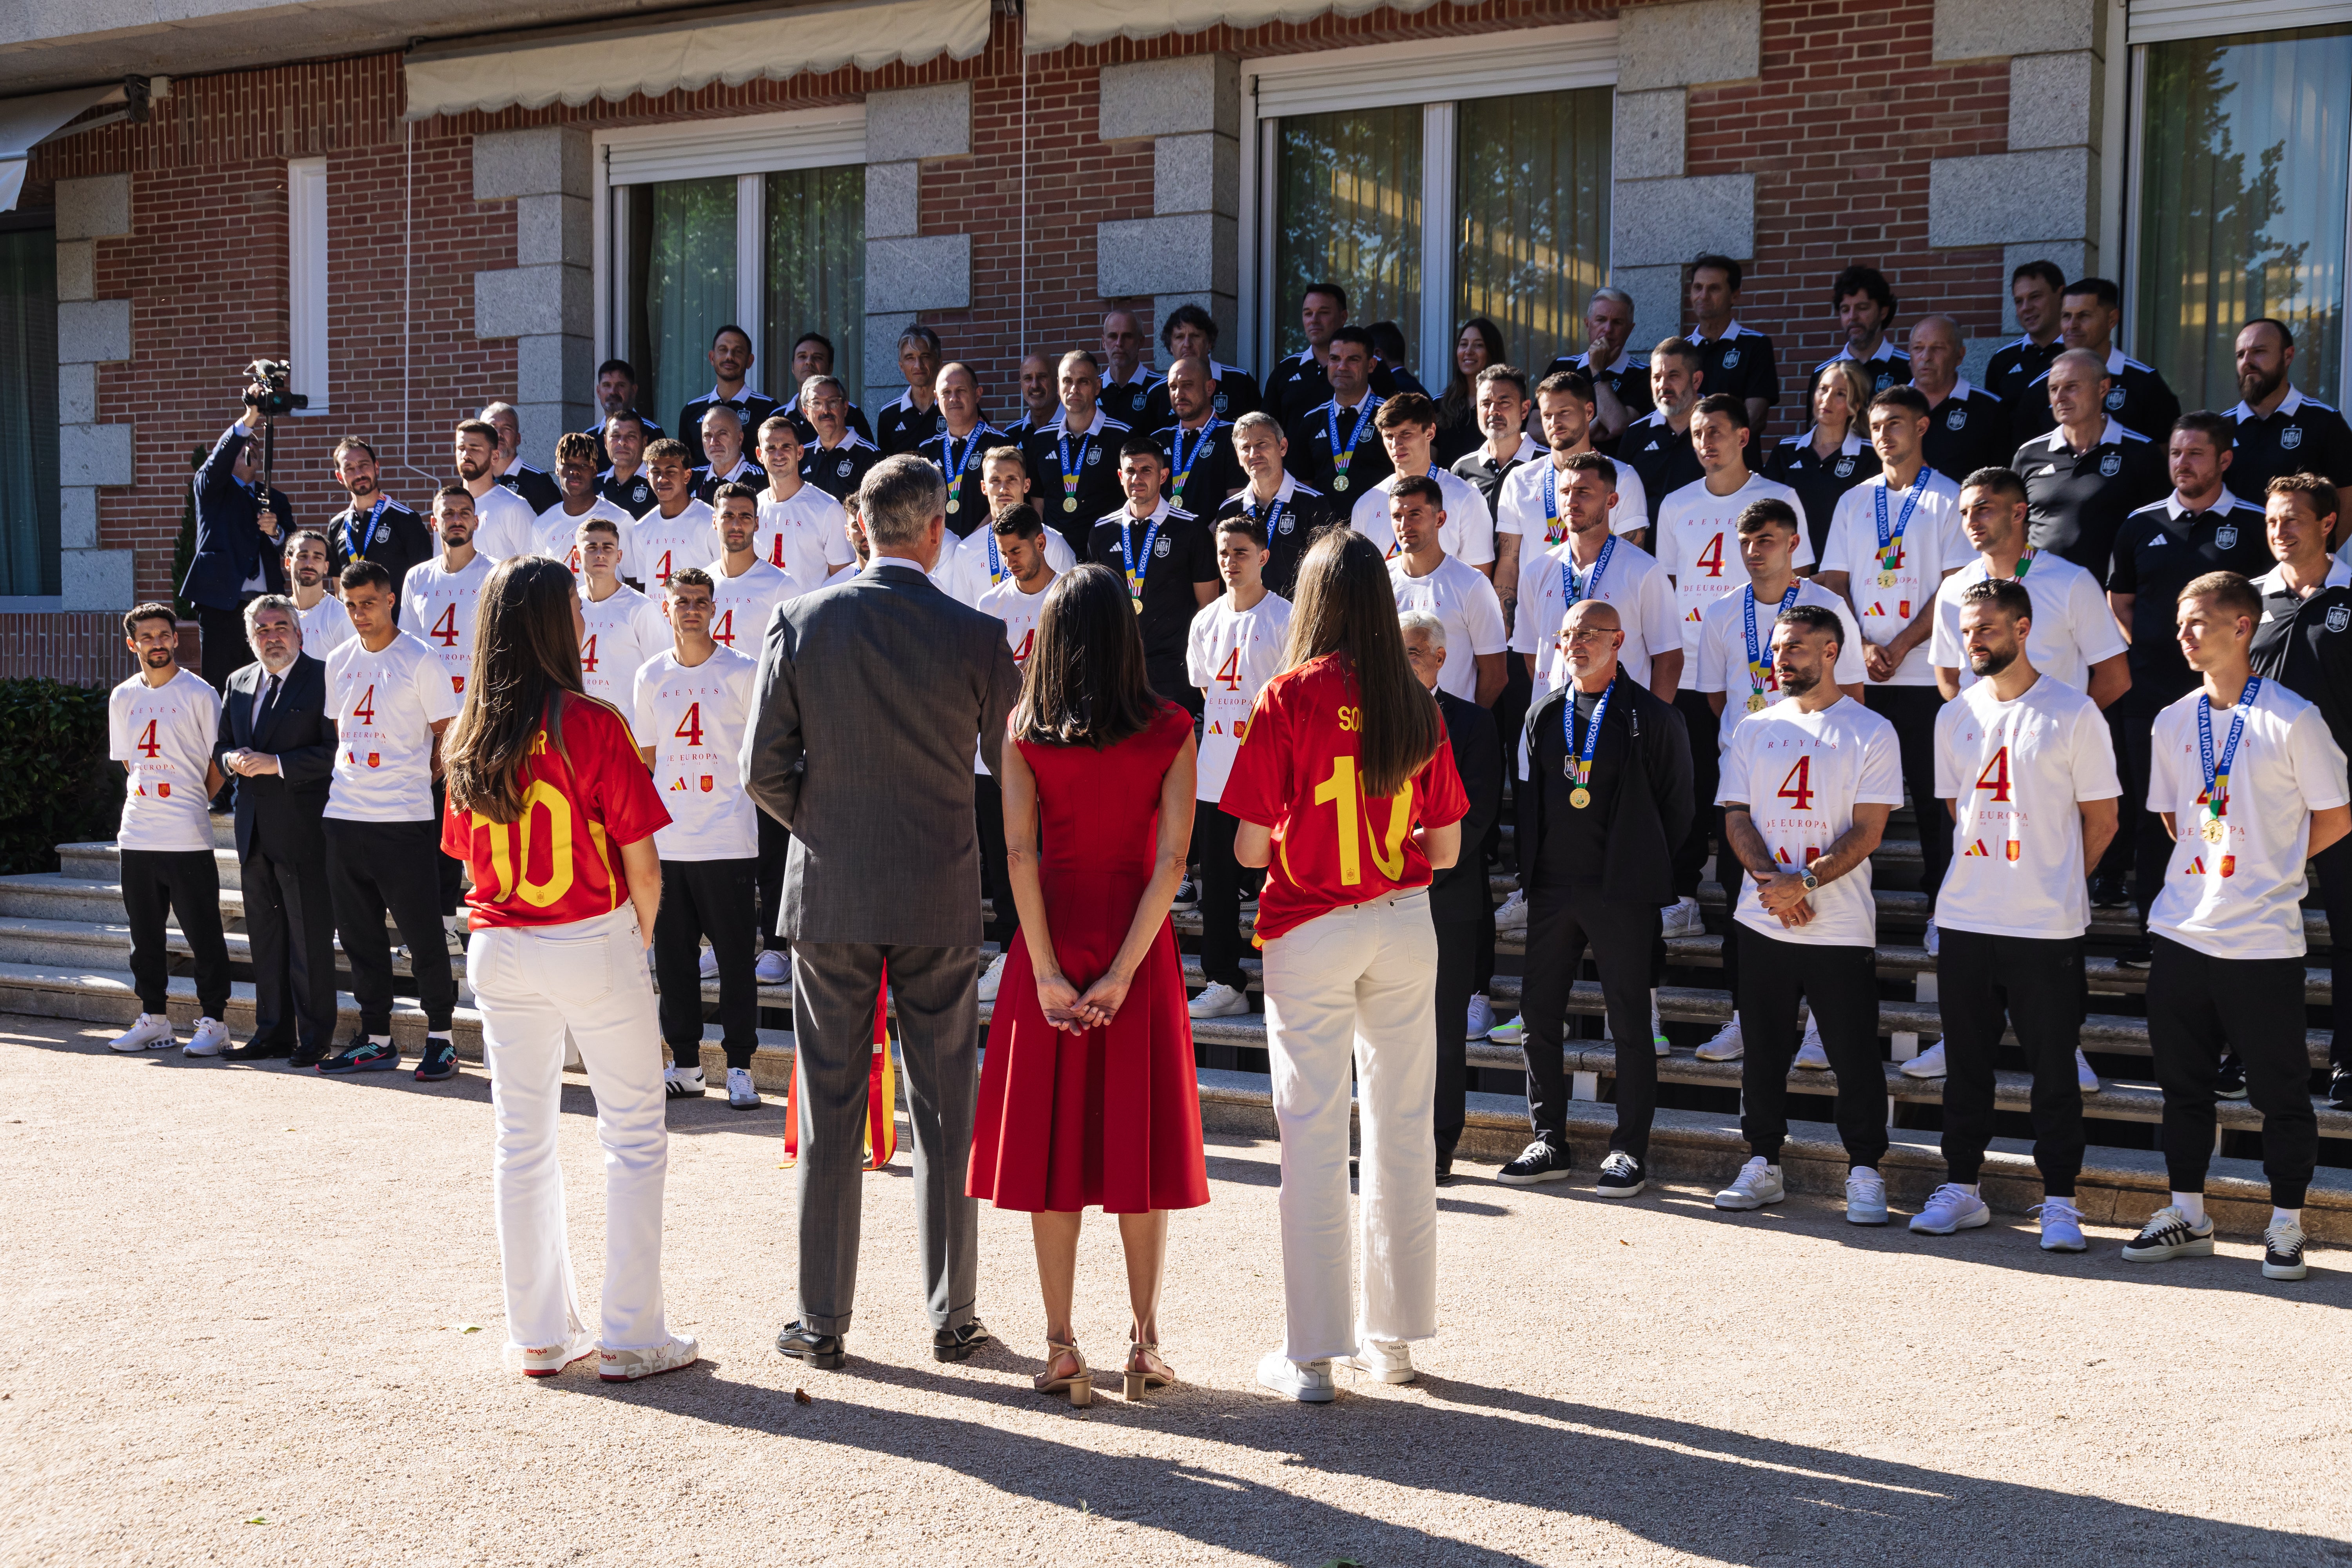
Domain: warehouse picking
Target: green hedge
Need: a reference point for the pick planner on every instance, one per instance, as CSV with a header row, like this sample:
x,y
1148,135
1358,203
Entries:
x,y
56,784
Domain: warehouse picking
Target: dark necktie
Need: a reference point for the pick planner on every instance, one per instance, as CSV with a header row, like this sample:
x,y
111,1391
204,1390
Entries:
x,y
268,700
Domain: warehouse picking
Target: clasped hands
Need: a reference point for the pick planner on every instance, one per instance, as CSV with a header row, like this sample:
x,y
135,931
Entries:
x,y
1067,1007
1783,894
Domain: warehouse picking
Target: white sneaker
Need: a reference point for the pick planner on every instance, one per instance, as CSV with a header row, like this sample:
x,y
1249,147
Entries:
x,y
628,1366
152,1032
1928,1063
741,1093
2083,1073
1756,1184
1949,1208
210,1039
1482,1018
1682,919
1658,1028
1509,1033
1726,1046
2062,1225
1933,940
1218,1000
1811,1055
1866,1198
773,968
1309,1382
1385,1362
992,977
1511,919
546,1360
710,964
682,1083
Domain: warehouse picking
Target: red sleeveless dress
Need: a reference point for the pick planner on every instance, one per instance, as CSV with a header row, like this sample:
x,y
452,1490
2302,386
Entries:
x,y
1112,1117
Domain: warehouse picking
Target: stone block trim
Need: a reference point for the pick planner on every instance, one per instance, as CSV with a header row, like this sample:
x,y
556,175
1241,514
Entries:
x,y
2008,198
1200,172
1171,98
77,269
93,331
547,160
1166,256
918,123
554,230
94,208
930,273
2056,100
522,302
1648,133
1988,29
1657,222
893,200
1690,44
95,455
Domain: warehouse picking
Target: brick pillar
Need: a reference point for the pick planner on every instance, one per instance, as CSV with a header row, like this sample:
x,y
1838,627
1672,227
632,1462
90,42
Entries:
x,y
546,300
90,332
1188,251
907,270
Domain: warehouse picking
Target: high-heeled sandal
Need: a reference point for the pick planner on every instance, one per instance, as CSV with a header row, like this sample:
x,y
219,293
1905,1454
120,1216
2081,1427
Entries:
x,y
1153,1374
1079,1384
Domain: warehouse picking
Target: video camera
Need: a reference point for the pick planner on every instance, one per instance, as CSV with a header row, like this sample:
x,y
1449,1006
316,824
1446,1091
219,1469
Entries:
x,y
267,390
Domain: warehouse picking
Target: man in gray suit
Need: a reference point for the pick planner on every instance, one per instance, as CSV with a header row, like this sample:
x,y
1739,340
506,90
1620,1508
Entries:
x,y
872,695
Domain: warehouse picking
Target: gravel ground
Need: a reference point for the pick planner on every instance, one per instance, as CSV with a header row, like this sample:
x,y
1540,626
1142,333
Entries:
x,y
262,1325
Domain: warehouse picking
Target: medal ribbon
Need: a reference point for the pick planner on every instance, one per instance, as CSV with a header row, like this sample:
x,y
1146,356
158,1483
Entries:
x,y
356,544
1342,456
1273,516
1580,762
995,562
1183,459
1757,673
1890,545
955,464
1574,589
1071,471
2217,777
2025,564
1553,531
1126,555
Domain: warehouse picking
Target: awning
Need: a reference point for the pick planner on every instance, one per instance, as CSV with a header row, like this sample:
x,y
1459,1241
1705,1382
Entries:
x,y
731,48
27,123
1053,24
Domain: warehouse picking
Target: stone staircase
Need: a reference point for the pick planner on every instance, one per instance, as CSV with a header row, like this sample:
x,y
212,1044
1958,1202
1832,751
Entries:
x,y
65,952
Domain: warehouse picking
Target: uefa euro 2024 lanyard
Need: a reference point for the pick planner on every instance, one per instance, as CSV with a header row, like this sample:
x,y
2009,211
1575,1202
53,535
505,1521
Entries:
x,y
1890,544
1071,472
1183,459
1756,672
955,474
1578,764
1343,455
1128,557
2217,775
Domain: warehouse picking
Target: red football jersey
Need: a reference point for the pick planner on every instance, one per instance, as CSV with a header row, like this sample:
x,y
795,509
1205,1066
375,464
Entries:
x,y
1298,772
561,861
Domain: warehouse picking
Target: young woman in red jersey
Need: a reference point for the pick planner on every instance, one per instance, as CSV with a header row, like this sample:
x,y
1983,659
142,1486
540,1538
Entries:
x,y
554,813
1089,1094
1346,793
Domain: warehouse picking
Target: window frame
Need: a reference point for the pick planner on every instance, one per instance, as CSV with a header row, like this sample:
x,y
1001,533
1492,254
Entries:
x,y
1436,74
308,337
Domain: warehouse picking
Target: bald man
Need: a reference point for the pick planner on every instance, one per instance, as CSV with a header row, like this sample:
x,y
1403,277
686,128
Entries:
x,y
2083,479
1968,427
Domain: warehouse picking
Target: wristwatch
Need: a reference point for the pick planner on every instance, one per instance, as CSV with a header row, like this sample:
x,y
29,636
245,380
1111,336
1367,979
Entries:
x,y
1807,876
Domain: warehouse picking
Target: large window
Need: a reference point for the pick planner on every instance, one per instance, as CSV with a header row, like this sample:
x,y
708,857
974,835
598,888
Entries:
x,y
2241,211
1531,204
1347,210
28,412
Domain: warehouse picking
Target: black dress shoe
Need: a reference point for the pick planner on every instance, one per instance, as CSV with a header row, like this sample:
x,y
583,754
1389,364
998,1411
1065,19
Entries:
x,y
957,1344
252,1051
2339,1089
305,1057
2108,893
823,1351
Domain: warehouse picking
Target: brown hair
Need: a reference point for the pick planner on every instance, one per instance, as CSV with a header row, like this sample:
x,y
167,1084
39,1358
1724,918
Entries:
x,y
526,664
1405,408
1083,684
1345,605
2316,492
2229,591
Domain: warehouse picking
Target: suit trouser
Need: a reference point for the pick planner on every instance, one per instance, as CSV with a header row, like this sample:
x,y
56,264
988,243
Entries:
x,y
1457,973
376,868
1356,988
835,988
1707,772
1223,880
995,878
534,984
1840,986
185,883
2037,984
714,899
1912,711
2335,865
289,918
775,849
225,649
1563,920
2197,1008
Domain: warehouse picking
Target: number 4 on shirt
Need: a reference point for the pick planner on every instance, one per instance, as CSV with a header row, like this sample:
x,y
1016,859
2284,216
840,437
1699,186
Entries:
x,y
689,729
588,653
1712,557
1995,776
445,630
148,745
1230,674
364,709
1801,778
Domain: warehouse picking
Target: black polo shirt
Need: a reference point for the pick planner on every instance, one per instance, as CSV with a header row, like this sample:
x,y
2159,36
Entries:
x,y
394,539
1214,472
706,484
1968,431
2076,502
1740,362
967,506
753,406
904,427
1291,522
2018,365
1236,395
1487,476
633,494
2137,399
1886,366
537,488
1124,400
1096,494
1300,382
1181,555
2300,437
839,470
851,415
1310,457
2159,551
1629,378
1819,480
596,433
2305,645
1662,454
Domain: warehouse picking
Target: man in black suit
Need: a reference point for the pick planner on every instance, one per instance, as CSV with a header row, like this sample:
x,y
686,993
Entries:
x,y
238,542
277,745
1459,904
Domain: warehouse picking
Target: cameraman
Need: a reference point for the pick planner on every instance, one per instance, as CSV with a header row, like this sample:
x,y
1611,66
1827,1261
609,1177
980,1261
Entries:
x,y
237,544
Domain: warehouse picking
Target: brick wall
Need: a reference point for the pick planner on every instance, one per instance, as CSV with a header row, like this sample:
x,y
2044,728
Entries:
x,y
81,650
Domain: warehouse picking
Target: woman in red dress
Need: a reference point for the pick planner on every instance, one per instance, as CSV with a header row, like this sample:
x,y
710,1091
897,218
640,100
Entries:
x,y
1087,1094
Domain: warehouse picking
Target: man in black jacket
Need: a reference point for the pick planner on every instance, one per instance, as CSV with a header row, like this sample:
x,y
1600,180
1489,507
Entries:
x,y
238,542
1610,766
375,527
277,745
1459,903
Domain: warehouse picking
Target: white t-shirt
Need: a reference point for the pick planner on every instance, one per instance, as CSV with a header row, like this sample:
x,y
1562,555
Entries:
x,y
2241,898
1529,504
1932,545
1019,612
1467,534
972,566
165,733
558,535
804,537
1698,543
1722,651
1460,596
693,717
622,632
846,575
1230,655
326,626
1634,582
504,525
1800,775
741,606
2073,627
666,544
2015,773
439,606
385,705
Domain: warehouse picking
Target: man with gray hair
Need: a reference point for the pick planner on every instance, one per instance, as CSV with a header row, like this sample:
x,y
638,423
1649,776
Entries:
x,y
277,745
1968,427
871,699
537,488
1620,381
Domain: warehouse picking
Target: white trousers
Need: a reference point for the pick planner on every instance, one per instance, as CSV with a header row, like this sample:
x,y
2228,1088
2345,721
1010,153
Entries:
x,y
533,984
1356,985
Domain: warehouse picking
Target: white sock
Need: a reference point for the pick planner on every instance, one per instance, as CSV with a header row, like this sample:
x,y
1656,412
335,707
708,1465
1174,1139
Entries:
x,y
1870,1171
1968,1187
2192,1204
2287,1216
450,922
379,1039
440,1034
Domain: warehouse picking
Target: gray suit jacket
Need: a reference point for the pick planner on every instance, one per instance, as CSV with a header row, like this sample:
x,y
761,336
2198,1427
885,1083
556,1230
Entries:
x,y
871,698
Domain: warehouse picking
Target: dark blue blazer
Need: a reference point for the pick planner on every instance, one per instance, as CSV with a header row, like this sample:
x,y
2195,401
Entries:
x,y
230,546
290,803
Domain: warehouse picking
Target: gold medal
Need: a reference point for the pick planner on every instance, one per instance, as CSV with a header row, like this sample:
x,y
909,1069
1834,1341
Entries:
x,y
1756,703
2213,830
1887,579
1579,797
954,505
1338,482
1069,503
